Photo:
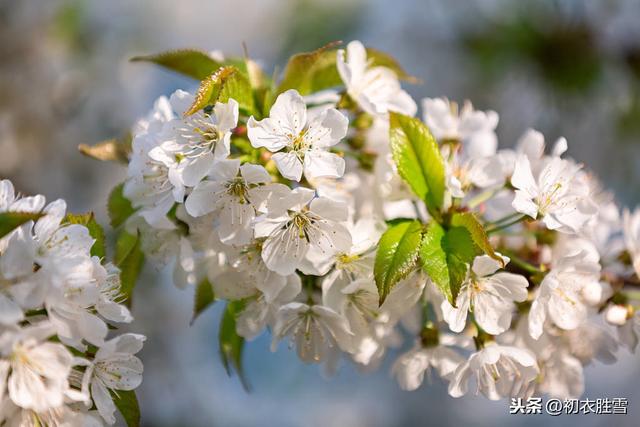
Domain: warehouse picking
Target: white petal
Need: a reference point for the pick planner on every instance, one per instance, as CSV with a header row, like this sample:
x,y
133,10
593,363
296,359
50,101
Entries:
x,y
255,174
226,115
203,198
226,170
522,177
10,311
524,204
289,165
329,209
290,112
194,171
104,404
267,133
318,163
484,265
114,312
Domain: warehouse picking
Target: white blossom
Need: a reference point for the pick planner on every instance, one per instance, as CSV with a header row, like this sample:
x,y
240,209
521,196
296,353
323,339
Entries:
x,y
560,296
557,196
376,89
499,372
301,224
489,295
314,329
190,145
305,139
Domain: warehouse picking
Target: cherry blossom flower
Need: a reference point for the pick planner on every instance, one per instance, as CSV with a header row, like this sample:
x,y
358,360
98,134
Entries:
x,y
114,368
411,367
190,145
499,372
315,329
235,193
302,224
557,197
305,138
489,295
560,295
376,89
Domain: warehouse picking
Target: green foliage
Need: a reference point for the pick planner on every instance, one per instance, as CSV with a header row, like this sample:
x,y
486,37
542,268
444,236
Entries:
x,y
118,206
445,256
127,404
311,71
378,58
95,230
129,259
469,221
396,255
9,221
232,344
190,62
227,82
204,297
418,159
447,253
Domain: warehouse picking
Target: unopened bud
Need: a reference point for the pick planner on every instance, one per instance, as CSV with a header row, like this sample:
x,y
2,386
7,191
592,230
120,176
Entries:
x,y
616,314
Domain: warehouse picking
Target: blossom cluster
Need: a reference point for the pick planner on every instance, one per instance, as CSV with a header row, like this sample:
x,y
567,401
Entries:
x,y
58,365
335,219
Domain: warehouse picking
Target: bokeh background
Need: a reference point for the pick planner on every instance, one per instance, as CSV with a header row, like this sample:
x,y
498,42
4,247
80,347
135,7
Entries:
x,y
568,68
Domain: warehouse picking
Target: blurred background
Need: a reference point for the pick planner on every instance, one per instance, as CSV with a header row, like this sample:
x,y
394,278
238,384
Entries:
x,y
566,68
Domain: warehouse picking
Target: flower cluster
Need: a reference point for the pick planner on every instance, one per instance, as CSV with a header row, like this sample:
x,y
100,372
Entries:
x,y
329,215
58,365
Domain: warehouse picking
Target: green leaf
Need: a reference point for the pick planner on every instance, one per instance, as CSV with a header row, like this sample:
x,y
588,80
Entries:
x,y
127,404
129,259
9,221
118,206
315,71
190,62
204,297
381,59
227,82
418,159
311,71
95,230
469,221
232,344
445,255
396,255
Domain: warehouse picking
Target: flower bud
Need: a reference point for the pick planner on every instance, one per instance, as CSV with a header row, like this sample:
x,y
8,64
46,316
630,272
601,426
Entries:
x,y
616,315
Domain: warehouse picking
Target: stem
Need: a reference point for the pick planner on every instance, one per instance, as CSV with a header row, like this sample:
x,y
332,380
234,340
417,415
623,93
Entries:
x,y
519,262
482,197
507,225
506,218
635,295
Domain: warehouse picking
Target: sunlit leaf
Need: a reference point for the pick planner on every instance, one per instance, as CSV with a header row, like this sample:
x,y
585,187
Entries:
x,y
129,259
396,255
227,82
445,255
190,62
232,344
418,159
127,404
9,221
203,298
118,206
